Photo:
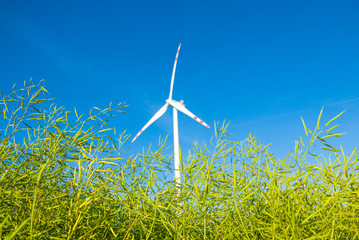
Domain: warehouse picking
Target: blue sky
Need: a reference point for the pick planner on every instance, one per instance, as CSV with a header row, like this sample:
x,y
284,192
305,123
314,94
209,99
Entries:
x,y
259,64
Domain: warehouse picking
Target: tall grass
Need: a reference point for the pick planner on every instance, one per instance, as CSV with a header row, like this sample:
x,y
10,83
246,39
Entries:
x,y
62,176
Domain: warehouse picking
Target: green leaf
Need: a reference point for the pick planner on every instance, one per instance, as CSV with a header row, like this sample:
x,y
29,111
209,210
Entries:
x,y
320,116
305,127
331,120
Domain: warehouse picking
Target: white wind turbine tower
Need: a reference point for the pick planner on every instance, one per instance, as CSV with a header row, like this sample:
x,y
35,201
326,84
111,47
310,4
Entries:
x,y
176,106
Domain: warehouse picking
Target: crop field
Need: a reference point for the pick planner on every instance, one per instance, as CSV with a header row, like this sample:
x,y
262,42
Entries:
x,y
63,175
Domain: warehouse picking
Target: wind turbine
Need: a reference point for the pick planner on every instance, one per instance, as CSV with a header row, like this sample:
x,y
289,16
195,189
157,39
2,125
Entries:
x,y
176,106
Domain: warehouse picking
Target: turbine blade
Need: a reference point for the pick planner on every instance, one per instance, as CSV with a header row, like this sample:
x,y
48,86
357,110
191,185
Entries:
x,y
173,72
182,108
158,114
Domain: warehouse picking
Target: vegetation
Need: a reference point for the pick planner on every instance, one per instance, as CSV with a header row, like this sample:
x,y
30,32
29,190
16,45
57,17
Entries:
x,y
62,176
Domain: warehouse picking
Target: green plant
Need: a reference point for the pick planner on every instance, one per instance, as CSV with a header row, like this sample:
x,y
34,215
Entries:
x,y
62,176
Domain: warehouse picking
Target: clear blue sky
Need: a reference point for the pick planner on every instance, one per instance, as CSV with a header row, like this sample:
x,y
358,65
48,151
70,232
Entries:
x,y
259,64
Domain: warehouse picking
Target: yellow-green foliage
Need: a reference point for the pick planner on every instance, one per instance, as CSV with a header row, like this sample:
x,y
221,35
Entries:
x,y
63,177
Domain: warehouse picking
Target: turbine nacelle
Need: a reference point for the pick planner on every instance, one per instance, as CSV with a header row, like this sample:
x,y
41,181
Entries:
x,y
172,102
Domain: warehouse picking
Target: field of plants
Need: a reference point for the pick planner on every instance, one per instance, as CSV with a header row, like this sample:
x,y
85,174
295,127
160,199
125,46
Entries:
x,y
63,175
